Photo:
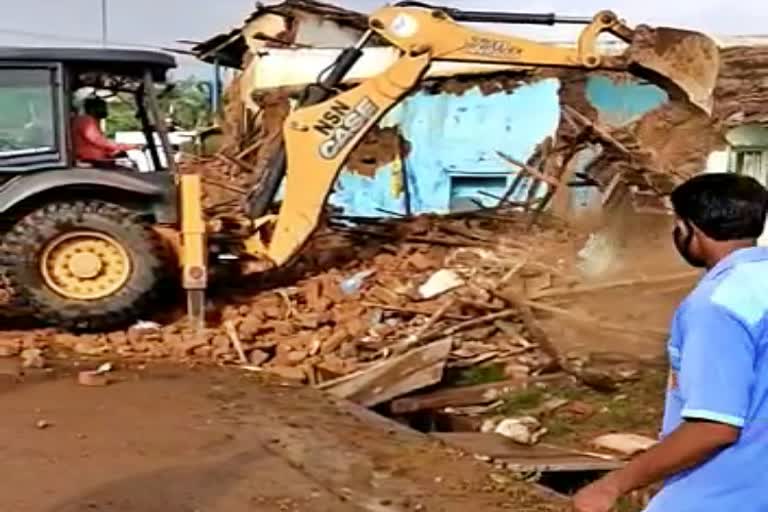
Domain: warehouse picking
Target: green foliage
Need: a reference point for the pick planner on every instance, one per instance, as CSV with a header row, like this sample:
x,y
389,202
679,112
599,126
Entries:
x,y
522,401
122,116
637,408
479,375
186,104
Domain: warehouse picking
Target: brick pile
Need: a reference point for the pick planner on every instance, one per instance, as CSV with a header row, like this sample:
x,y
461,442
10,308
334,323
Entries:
x,y
362,303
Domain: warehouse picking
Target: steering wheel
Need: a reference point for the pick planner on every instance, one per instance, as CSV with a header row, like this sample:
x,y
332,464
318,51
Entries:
x,y
125,160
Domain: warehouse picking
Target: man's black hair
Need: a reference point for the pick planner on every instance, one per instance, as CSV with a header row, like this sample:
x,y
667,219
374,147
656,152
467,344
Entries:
x,y
725,206
93,102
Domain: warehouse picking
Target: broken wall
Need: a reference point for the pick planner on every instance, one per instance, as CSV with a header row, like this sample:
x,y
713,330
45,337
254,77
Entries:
x,y
451,140
437,151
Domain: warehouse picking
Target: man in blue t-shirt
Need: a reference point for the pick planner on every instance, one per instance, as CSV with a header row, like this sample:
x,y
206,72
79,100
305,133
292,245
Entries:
x,y
713,453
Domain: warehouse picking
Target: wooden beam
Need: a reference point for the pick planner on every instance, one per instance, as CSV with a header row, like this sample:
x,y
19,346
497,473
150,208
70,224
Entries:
x,y
394,377
466,395
534,173
521,458
599,130
636,281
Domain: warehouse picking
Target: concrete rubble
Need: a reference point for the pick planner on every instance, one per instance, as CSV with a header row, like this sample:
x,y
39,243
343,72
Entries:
x,y
625,444
92,378
525,430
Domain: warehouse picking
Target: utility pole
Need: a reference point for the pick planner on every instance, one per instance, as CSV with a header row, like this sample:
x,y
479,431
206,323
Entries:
x,y
104,22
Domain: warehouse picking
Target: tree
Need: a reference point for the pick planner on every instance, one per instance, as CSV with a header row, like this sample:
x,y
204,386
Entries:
x,y
186,103
122,115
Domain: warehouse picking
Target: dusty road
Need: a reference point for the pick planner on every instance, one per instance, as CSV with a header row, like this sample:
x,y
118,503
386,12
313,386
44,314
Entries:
x,y
176,440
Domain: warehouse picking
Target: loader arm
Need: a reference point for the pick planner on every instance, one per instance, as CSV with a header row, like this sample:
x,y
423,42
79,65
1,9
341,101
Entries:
x,y
317,141
320,134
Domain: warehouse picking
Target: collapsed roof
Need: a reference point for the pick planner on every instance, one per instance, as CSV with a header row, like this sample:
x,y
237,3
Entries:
x,y
230,48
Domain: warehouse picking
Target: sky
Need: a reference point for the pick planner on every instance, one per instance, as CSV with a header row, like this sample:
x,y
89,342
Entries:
x,y
160,23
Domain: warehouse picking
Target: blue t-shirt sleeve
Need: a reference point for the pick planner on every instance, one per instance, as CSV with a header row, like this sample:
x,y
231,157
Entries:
x,y
717,365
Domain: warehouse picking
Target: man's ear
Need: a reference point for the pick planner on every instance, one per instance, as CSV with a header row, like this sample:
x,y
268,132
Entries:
x,y
682,226
699,232
699,240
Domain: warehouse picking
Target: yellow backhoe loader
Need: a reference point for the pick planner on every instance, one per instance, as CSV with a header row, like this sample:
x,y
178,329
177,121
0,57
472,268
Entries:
x,y
83,245
328,123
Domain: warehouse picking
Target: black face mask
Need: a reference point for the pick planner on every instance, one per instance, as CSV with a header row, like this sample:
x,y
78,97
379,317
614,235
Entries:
x,y
683,245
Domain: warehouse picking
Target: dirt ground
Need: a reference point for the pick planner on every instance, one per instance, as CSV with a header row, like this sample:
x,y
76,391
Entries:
x,y
172,439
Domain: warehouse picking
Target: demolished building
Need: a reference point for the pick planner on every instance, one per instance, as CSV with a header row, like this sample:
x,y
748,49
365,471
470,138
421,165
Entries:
x,y
459,141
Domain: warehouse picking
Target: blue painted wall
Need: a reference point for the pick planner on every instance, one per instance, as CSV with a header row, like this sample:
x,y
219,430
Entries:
x,y
617,104
454,139
620,103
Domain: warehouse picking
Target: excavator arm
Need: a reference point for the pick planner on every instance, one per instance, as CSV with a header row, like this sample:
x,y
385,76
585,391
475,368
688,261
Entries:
x,y
320,134
684,61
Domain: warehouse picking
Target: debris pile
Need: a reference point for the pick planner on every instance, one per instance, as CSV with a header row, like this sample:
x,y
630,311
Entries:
x,y
388,308
650,155
421,283
377,292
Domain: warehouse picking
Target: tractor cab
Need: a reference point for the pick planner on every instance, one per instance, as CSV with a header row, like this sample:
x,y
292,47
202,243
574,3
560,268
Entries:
x,y
42,91
82,241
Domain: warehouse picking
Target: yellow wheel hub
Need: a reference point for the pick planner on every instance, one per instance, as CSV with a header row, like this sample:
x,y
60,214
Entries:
x,y
85,265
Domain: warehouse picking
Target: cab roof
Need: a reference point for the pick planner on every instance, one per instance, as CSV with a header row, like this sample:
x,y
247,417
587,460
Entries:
x,y
119,61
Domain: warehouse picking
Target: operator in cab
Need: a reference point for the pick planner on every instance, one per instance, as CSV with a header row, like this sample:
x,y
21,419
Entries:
x,y
90,143
714,440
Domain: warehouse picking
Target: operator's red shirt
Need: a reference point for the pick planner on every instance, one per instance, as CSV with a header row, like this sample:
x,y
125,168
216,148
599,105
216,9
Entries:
x,y
90,143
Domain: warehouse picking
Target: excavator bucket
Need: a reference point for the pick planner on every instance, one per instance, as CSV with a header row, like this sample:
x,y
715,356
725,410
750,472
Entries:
x,y
681,60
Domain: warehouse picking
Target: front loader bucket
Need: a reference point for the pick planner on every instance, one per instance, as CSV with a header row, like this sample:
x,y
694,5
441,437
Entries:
x,y
686,61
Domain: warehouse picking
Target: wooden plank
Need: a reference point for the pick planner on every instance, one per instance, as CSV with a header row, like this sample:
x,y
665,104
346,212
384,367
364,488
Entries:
x,y
413,310
526,458
638,281
463,396
395,377
597,129
469,324
456,397
535,173
375,420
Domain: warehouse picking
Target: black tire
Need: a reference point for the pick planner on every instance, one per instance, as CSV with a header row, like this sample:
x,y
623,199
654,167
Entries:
x,y
21,248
